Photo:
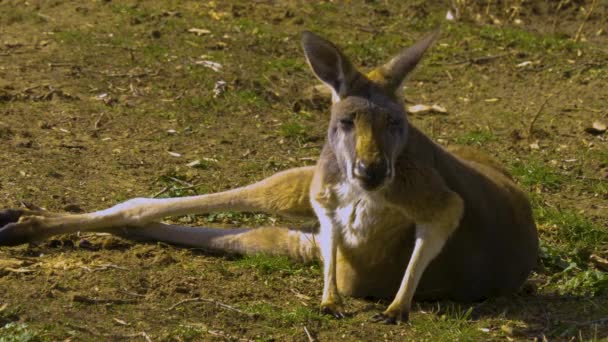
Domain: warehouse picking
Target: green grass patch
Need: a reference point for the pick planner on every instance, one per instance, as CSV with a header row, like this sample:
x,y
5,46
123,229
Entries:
x,y
293,129
477,137
526,40
288,317
185,332
265,264
537,174
567,241
137,14
285,65
74,37
17,332
577,234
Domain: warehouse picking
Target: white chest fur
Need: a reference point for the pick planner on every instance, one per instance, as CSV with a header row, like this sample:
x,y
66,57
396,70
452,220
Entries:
x,y
362,215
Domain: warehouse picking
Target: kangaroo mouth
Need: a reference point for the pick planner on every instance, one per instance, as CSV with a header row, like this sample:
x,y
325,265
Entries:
x,y
370,184
372,181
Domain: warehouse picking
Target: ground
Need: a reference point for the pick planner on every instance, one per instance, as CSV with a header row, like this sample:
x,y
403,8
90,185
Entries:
x,y
101,101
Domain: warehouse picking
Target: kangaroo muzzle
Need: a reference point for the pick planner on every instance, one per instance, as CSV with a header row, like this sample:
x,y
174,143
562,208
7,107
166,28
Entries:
x,y
371,174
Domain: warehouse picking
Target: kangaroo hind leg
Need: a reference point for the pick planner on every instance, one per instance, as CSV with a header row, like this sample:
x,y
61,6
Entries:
x,y
285,193
294,243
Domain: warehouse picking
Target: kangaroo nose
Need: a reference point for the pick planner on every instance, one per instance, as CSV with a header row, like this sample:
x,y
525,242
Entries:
x,y
371,174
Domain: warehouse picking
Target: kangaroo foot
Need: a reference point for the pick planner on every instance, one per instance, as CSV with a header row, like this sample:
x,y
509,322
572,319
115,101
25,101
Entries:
x,y
17,226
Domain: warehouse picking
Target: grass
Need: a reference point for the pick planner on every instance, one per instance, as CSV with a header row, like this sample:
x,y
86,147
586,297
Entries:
x,y
577,234
265,73
536,174
476,137
265,265
237,218
185,332
293,129
296,314
17,332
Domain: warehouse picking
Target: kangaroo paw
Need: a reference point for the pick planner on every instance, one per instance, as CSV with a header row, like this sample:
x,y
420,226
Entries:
x,y
10,216
15,227
390,317
333,309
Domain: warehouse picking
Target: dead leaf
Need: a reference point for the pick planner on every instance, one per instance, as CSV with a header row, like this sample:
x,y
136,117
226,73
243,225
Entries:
x,y
219,88
119,321
19,270
599,262
596,128
421,108
8,263
198,31
194,163
217,67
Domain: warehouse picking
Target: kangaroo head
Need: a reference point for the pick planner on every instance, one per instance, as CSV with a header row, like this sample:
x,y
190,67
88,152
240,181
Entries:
x,y
368,127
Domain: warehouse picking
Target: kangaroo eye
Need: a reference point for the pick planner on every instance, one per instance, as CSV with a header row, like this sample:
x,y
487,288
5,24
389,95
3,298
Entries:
x,y
346,123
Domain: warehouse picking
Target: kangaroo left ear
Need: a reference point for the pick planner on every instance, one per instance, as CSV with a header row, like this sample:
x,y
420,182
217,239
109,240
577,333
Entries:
x,y
391,75
329,64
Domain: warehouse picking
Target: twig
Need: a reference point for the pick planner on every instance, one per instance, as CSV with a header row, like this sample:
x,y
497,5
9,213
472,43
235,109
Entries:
x,y
480,60
96,124
162,191
539,112
87,300
211,301
45,17
59,65
579,32
177,180
145,336
165,189
103,268
310,338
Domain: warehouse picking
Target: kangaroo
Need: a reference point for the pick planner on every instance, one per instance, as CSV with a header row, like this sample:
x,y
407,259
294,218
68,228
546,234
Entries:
x,y
398,214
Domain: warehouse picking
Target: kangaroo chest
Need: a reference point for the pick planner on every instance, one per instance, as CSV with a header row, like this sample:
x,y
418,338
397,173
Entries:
x,y
365,218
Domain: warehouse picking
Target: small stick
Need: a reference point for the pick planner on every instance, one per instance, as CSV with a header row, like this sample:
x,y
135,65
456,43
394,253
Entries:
x,y
579,32
87,300
59,65
162,191
480,60
96,124
45,17
539,112
177,180
310,338
165,189
211,301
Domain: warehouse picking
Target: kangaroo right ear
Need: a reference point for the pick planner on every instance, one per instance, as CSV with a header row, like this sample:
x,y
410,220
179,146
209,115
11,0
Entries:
x,y
329,64
390,76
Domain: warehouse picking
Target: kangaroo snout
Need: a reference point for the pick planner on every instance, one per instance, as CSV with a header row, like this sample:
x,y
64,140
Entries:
x,y
371,174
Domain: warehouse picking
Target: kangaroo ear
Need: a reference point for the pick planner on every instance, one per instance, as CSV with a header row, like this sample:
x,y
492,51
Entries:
x,y
391,75
329,64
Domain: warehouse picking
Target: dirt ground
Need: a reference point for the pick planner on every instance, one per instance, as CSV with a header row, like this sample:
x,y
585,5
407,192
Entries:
x,y
101,101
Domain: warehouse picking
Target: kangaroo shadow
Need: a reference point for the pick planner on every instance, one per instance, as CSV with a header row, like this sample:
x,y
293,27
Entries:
x,y
534,315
